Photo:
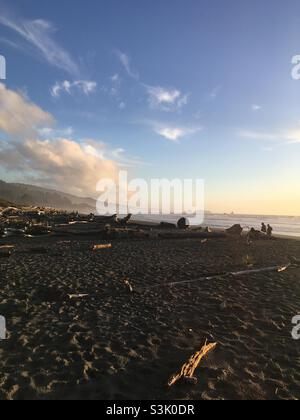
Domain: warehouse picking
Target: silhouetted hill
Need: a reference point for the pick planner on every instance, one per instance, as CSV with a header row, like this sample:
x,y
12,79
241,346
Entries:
x,y
30,195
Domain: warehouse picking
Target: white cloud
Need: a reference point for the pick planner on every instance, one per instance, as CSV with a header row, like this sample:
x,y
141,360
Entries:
x,y
115,84
83,86
102,150
258,135
119,156
116,79
182,101
160,95
58,162
166,99
126,63
290,136
39,35
63,163
174,133
118,153
115,90
256,107
214,93
18,115
47,132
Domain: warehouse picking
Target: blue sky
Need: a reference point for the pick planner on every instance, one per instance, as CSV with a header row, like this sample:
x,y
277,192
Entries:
x,y
173,88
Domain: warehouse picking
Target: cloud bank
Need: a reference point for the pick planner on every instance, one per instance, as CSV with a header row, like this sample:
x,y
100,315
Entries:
x,y
18,115
57,162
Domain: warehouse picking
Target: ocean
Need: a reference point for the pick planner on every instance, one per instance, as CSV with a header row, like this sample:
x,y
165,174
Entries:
x,y
282,225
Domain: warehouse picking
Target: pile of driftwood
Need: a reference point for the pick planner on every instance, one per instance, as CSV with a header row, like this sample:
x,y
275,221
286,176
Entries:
x,y
38,222
44,221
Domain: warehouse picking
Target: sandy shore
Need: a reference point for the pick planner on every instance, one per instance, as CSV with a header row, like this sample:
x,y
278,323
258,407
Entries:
x,y
114,344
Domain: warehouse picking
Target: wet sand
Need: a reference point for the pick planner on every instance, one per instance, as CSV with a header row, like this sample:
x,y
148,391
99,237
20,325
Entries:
x,y
114,344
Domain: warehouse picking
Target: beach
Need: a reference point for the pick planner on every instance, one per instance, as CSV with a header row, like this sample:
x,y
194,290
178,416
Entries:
x,y
108,323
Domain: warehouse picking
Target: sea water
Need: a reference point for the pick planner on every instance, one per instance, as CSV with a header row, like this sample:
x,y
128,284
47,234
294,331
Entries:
x,y
282,225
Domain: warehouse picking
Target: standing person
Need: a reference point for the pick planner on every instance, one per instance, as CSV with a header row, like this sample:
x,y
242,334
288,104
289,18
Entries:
x,y
269,230
263,228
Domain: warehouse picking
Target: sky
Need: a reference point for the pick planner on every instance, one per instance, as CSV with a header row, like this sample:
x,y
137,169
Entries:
x,y
188,89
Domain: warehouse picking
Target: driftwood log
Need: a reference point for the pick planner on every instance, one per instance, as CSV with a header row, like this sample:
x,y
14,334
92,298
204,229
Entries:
x,y
189,368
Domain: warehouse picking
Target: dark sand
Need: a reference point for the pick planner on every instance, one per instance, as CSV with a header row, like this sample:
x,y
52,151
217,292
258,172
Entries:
x,y
118,345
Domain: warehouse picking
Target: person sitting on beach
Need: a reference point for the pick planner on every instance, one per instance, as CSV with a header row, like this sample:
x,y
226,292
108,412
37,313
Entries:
x,y
269,230
263,228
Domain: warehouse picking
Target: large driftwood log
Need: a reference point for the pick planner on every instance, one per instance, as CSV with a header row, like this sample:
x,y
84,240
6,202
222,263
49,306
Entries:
x,y
189,368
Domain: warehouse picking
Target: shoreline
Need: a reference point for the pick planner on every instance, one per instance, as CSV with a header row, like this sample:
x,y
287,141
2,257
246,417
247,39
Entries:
x,y
283,226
